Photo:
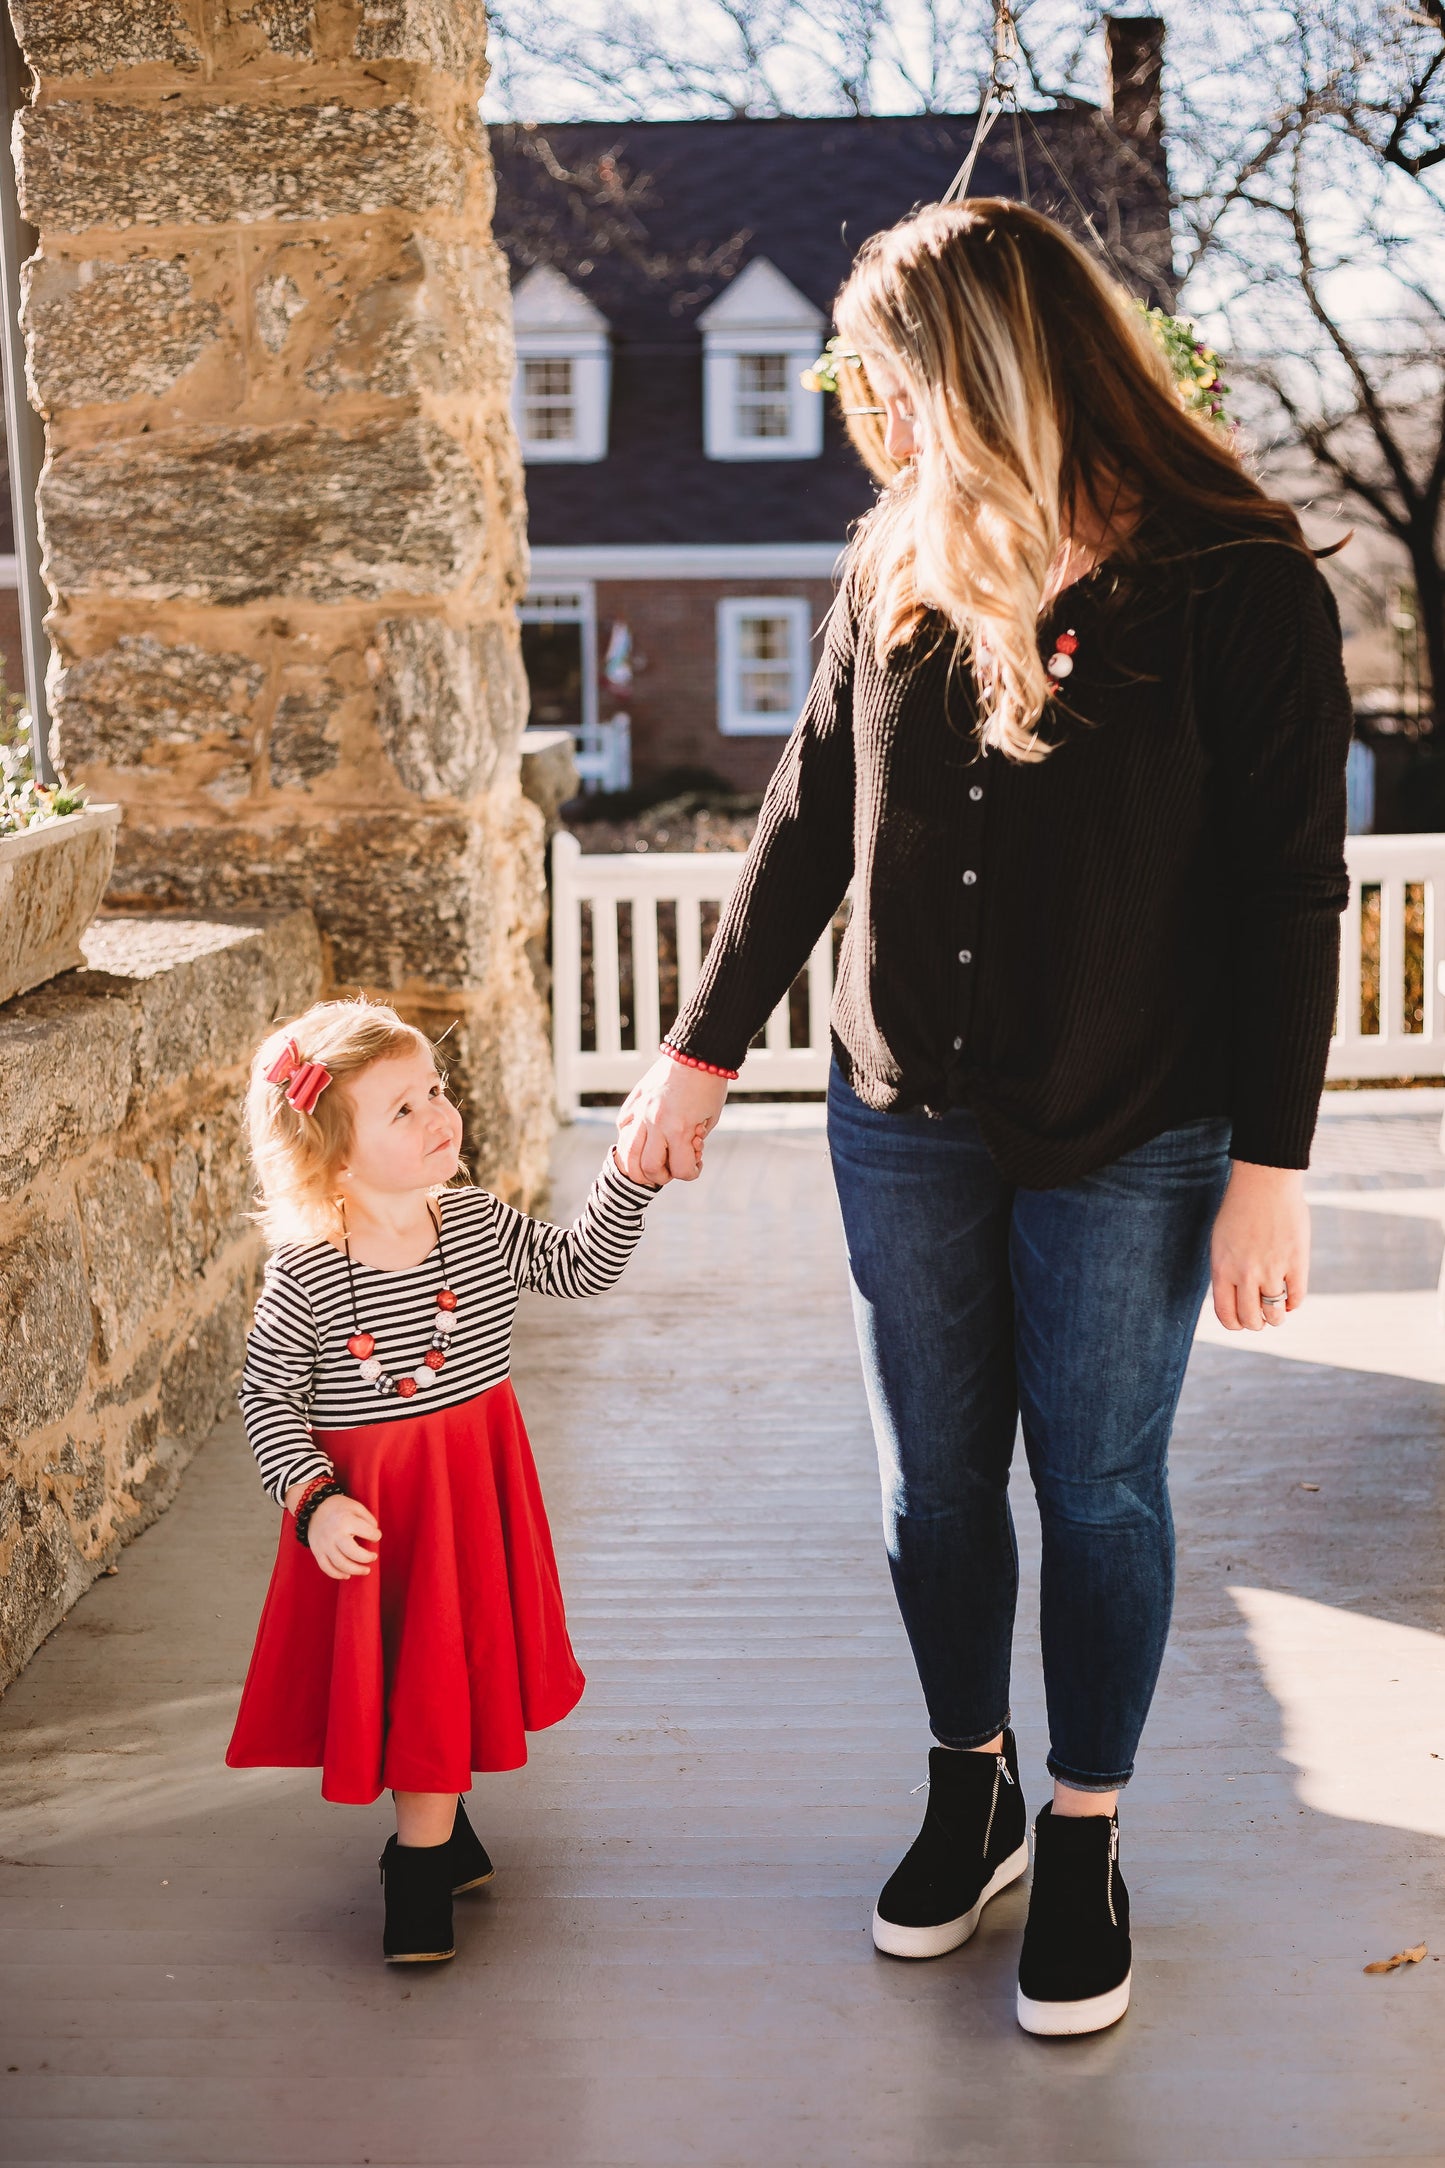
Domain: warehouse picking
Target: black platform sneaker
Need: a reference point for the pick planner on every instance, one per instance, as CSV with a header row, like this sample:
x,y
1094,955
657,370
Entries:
x,y
1074,1969
973,1843
418,1889
467,1856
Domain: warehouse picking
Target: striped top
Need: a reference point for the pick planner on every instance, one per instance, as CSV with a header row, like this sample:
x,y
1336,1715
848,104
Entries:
x,y
299,1374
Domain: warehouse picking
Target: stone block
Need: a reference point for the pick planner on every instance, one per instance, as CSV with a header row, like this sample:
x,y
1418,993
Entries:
x,y
100,332
206,991
65,1077
549,774
60,37
435,318
450,702
45,1325
303,743
127,1252
41,1574
131,704
450,34
399,898
111,165
210,1186
237,515
198,1381
287,25
80,1464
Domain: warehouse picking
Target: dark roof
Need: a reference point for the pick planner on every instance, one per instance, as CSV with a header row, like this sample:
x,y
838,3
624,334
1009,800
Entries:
x,y
652,219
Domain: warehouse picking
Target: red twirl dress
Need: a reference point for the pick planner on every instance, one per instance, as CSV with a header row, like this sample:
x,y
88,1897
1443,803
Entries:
x,y
440,1660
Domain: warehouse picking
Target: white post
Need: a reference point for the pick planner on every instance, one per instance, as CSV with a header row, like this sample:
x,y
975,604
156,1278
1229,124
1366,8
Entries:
x,y
566,970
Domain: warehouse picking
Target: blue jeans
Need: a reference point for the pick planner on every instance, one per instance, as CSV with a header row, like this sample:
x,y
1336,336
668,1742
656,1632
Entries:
x,y
978,1303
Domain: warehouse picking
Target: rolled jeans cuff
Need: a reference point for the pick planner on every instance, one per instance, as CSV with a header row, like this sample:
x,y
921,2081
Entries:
x,y
1078,1781
977,1738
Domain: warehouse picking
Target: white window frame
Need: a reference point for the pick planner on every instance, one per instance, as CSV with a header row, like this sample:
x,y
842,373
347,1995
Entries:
x,y
733,721
590,356
722,391
572,602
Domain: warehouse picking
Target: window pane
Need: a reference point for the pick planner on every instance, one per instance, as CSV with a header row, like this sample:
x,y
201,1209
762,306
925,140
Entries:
x,y
762,374
765,639
549,412
765,665
762,384
766,692
547,379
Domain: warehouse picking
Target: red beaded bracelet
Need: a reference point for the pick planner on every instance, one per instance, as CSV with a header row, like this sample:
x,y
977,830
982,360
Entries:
x,y
690,1061
310,1491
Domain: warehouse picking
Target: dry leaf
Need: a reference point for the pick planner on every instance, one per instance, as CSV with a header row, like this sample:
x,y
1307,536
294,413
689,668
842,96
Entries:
x,y
1309,1486
1401,1957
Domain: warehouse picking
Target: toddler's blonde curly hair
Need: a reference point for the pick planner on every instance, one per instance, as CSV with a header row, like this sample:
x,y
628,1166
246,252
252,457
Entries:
x,y
296,1156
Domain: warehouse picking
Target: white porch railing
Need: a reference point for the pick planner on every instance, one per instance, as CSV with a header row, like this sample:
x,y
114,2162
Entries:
x,y
1394,865
599,882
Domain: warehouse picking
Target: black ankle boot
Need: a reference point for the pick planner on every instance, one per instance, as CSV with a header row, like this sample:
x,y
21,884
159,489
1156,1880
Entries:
x,y
469,1866
1074,1970
973,1843
418,1927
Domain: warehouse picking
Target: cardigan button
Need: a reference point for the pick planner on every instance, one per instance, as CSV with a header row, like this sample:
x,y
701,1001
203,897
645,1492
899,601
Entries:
x,y
965,955
976,793
969,878
958,1046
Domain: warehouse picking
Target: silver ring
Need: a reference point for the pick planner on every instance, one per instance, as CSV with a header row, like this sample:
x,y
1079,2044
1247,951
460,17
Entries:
x,y
1266,1300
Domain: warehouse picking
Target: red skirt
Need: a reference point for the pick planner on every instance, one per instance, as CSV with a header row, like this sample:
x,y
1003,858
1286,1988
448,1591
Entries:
x,y
441,1659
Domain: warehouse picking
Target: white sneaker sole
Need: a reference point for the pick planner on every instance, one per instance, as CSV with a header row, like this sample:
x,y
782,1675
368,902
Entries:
x,y
1058,2020
896,1941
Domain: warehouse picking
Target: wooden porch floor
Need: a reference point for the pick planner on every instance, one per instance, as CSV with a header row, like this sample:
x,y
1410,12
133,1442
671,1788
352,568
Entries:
x,y
673,1966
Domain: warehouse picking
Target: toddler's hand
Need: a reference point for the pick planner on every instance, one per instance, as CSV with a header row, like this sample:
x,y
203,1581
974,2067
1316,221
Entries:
x,y
340,1527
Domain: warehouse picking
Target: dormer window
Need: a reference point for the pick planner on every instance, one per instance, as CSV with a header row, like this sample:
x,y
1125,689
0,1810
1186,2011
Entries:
x,y
758,338
560,395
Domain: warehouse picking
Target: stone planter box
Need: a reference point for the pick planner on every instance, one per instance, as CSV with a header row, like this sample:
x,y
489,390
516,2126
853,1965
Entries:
x,y
51,881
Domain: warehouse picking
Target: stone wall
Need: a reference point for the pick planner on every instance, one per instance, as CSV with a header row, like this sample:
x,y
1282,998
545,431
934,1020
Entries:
x,y
128,1266
269,332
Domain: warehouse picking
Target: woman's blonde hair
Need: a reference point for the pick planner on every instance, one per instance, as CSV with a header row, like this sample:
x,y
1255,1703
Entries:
x,y
296,1156
1040,394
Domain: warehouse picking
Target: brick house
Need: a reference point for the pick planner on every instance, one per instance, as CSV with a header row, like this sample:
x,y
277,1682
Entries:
x,y
688,499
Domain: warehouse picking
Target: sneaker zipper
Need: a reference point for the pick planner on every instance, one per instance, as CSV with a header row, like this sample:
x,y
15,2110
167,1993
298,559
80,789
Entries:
x,y
1000,1770
1113,1855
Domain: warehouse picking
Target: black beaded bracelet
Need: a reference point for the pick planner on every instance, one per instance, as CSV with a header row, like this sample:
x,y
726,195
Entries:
x,y
332,1489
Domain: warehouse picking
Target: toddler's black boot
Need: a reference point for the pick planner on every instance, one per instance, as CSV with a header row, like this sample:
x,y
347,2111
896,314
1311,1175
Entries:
x,y
417,1881
973,1843
469,1866
1074,1969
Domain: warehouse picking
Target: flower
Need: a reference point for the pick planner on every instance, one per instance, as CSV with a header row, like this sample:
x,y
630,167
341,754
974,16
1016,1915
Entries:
x,y
823,375
1201,388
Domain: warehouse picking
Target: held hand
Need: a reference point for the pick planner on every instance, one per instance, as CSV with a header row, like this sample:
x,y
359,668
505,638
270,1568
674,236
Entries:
x,y
665,1121
340,1529
1261,1247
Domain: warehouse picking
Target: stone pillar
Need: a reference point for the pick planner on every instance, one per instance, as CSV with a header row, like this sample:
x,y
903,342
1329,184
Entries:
x,y
269,331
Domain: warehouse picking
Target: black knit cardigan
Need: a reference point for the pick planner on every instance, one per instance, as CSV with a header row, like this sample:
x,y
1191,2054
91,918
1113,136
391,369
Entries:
x,y
1139,931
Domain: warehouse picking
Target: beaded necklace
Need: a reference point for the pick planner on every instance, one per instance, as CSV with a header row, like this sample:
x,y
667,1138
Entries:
x,y
363,1345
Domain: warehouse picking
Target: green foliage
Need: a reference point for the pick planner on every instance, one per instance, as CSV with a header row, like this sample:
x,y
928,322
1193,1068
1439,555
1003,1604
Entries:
x,y
1196,366
823,375
25,802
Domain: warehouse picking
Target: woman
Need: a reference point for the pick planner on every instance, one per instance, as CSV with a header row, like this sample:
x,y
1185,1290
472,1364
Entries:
x,y
1078,742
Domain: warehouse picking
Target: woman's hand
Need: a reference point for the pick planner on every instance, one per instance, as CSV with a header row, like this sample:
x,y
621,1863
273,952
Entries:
x,y
340,1529
1261,1247
665,1120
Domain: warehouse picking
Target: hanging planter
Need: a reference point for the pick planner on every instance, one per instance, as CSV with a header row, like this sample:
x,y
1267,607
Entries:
x,y
56,852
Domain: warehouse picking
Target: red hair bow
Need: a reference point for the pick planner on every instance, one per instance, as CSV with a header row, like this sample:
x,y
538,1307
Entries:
x,y
305,1081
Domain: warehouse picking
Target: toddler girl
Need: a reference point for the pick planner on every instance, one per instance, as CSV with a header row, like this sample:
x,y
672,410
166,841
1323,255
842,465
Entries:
x,y
413,1631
